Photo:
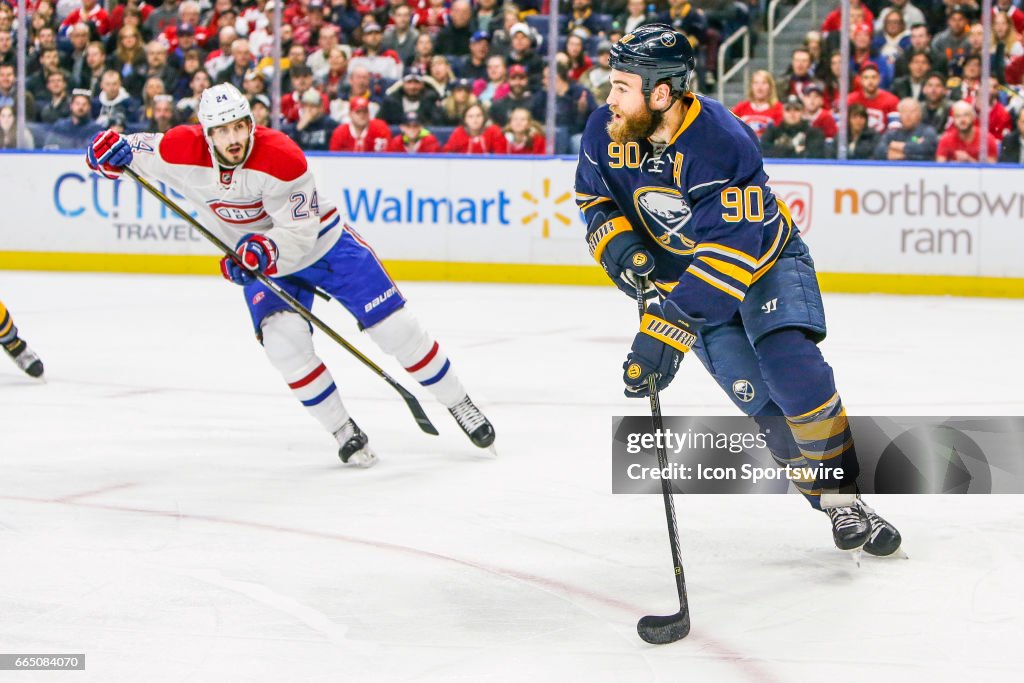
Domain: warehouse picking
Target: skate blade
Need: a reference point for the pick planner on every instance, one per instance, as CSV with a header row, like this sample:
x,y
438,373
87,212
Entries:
x,y
899,554
492,450
364,459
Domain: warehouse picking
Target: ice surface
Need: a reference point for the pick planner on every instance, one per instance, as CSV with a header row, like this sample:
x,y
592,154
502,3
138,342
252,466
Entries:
x,y
168,509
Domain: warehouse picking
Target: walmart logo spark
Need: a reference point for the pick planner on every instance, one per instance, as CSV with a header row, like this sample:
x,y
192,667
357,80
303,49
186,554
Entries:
x,y
551,209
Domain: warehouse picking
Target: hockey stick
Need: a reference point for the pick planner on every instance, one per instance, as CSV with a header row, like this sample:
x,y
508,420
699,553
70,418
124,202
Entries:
x,y
414,405
659,630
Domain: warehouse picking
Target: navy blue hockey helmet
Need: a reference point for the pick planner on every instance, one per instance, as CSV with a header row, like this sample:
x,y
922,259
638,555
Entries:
x,y
656,53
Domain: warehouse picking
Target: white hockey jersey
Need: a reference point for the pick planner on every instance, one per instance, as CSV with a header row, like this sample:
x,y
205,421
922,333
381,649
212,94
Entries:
x,y
272,193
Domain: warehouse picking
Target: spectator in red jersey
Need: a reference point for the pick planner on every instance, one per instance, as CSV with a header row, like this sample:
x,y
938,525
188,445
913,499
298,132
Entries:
x,y
834,19
474,136
815,111
431,17
524,135
579,62
414,138
361,133
92,13
880,104
188,16
762,107
962,142
799,72
117,14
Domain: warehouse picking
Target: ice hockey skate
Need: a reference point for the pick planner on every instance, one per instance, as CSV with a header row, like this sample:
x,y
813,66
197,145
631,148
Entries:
x,y
24,357
355,449
473,422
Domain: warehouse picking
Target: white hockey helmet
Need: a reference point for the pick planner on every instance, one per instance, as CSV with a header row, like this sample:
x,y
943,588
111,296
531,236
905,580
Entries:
x,y
222,104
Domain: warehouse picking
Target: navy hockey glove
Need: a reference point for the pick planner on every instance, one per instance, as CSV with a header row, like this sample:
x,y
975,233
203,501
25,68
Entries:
x,y
108,153
257,252
666,333
623,254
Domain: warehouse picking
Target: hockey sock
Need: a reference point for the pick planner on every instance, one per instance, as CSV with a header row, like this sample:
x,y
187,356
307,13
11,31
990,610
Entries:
x,y
9,332
289,346
825,440
401,335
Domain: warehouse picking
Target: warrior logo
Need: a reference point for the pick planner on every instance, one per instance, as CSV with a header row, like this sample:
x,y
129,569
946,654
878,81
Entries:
x,y
744,390
633,371
665,213
239,213
770,306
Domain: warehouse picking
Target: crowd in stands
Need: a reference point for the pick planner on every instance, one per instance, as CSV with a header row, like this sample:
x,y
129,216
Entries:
x,y
412,76
915,81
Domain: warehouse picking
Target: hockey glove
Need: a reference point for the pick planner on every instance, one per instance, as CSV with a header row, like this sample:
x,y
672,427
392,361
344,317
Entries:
x,y
108,153
623,255
666,333
256,252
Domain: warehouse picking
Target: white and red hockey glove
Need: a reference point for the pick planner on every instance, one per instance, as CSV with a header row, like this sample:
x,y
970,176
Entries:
x,y
256,252
108,153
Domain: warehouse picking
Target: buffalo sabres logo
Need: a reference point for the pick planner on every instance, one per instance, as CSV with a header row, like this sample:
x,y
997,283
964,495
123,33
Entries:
x,y
665,213
668,39
743,390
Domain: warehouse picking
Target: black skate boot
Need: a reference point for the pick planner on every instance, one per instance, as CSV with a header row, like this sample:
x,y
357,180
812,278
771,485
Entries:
x,y
885,539
354,449
850,526
24,357
473,423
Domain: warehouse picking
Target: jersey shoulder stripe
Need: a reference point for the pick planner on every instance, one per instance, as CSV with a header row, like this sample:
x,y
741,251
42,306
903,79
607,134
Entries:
x,y
277,155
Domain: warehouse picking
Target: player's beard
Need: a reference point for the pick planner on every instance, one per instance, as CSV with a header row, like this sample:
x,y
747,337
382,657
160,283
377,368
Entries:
x,y
639,126
223,160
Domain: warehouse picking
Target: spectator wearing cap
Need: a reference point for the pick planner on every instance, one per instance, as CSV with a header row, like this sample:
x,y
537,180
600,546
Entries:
x,y
475,136
74,131
634,16
410,95
579,62
861,139
414,138
954,42
519,95
313,130
474,65
487,15
795,137
453,39
113,98
597,79
762,108
912,140
260,107
522,53
186,42
381,63
187,24
501,34
399,36
817,113
524,134
919,64
241,62
962,142
431,16
361,133
58,105
460,98
879,104
495,86
302,82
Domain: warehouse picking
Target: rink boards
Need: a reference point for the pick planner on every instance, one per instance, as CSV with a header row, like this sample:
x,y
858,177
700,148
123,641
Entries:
x,y
907,228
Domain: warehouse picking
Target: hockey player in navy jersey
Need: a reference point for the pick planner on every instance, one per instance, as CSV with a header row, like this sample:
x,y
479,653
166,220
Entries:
x,y
252,187
674,193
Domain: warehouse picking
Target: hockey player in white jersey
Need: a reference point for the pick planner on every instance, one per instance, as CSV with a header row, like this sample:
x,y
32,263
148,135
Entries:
x,y
252,187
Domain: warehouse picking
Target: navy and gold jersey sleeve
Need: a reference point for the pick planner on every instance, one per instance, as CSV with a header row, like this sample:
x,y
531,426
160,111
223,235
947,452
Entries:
x,y
594,198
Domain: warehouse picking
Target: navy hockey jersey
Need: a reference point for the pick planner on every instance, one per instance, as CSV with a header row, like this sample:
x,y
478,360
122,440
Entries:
x,y
703,206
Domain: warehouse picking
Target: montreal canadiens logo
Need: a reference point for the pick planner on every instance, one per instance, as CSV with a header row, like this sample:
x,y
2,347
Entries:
x,y
665,213
239,213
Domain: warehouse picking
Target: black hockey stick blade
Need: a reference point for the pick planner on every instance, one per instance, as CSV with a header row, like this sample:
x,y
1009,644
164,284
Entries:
x,y
415,408
663,630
